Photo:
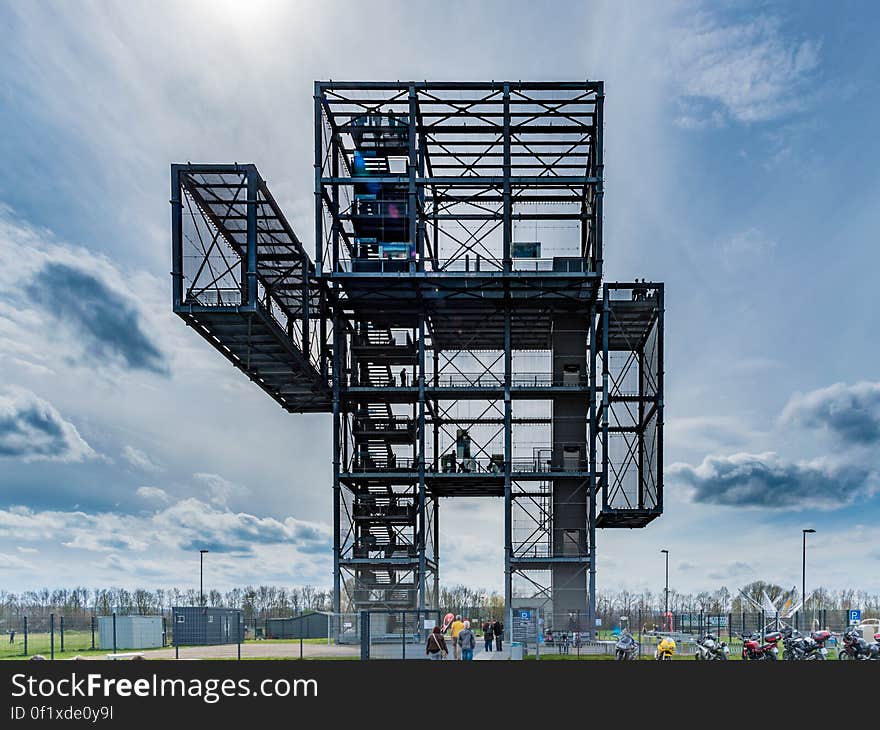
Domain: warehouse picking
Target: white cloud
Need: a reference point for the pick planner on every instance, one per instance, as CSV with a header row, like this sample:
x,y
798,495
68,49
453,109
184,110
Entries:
x,y
769,482
32,429
139,460
150,547
741,71
153,494
850,412
218,489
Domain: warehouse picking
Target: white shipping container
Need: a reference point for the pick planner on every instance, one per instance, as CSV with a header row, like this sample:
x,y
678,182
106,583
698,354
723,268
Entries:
x,y
132,632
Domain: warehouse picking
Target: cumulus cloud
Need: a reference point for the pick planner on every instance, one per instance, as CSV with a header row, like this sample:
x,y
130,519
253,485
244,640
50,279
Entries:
x,y
741,71
767,481
850,412
32,429
153,494
139,460
108,325
219,489
186,525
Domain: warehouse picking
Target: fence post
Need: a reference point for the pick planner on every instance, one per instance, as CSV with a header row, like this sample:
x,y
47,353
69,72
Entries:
x,y
114,632
51,635
729,627
403,634
25,635
238,636
365,635
61,625
176,637
92,622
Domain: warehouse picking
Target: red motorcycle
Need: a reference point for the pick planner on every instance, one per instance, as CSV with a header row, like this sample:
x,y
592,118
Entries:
x,y
758,648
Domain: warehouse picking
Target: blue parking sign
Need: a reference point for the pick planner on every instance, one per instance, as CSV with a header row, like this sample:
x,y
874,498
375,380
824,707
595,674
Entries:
x,y
855,616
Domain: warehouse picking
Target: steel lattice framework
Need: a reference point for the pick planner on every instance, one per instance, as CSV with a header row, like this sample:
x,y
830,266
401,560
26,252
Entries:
x,y
453,321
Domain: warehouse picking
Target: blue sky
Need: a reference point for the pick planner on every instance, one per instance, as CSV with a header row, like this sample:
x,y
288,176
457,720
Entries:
x,y
742,169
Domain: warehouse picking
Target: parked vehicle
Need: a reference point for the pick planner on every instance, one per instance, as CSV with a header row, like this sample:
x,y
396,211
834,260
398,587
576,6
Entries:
x,y
627,648
758,648
854,646
874,649
665,649
798,647
710,649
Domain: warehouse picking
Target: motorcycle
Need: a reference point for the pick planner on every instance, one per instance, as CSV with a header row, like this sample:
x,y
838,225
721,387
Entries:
x,y
710,649
797,647
854,646
874,649
757,648
627,648
665,649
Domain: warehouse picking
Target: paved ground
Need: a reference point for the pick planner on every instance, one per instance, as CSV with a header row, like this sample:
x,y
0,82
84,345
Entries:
x,y
291,650
257,650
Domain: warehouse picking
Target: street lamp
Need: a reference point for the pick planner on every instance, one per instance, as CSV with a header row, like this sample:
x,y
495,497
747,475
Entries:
x,y
202,578
666,591
804,573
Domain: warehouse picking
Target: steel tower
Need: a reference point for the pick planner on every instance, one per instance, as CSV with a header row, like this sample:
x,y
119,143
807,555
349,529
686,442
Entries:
x,y
453,321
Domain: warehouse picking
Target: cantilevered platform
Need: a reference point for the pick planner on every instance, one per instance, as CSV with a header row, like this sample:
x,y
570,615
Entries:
x,y
244,282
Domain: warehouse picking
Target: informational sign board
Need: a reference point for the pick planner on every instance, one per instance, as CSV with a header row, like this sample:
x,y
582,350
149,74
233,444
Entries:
x,y
525,625
430,623
855,616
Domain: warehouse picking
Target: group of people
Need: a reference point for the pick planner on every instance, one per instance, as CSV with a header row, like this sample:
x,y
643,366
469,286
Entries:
x,y
464,640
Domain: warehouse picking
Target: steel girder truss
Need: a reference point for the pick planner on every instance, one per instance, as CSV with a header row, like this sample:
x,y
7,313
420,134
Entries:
x,y
458,236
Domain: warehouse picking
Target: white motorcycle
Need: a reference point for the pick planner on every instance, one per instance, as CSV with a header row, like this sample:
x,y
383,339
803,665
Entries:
x,y
711,649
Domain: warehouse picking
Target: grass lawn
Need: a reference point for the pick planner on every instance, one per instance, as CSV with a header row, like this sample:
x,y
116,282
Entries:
x,y
75,642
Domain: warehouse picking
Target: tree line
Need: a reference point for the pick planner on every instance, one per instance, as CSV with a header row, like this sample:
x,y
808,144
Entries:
x,y
267,601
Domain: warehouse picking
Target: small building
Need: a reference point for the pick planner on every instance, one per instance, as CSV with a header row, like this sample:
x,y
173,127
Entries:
x,y
132,632
198,626
314,625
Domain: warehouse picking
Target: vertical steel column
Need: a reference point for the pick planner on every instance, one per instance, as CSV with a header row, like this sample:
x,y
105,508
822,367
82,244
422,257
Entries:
x,y
594,482
606,314
436,551
413,169
507,222
600,175
661,299
421,461
334,196
319,159
507,233
640,426
252,186
436,462
337,447
176,237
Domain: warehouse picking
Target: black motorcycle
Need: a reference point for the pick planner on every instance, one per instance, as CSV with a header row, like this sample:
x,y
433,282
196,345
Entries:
x,y
798,647
854,646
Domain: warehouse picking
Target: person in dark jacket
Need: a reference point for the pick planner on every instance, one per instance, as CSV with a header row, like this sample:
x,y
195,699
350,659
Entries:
x,y
488,635
498,632
468,642
436,646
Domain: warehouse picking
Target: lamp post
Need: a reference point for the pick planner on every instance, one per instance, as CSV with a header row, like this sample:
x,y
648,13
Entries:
x,y
666,590
202,578
804,573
